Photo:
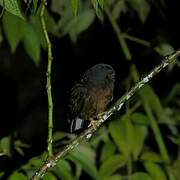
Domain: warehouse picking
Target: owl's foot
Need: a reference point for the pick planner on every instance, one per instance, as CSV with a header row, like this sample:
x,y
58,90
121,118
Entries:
x,y
100,115
93,123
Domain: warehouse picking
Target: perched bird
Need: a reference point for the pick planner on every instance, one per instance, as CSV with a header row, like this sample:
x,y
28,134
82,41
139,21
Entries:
x,y
91,95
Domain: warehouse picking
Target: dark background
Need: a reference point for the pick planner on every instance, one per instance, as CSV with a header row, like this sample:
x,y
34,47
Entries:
x,y
23,107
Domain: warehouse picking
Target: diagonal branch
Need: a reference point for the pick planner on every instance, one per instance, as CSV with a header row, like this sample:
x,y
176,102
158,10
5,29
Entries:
x,y
87,134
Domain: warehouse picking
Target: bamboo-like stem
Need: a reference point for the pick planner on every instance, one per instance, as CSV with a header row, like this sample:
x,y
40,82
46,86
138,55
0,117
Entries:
x,y
87,134
48,81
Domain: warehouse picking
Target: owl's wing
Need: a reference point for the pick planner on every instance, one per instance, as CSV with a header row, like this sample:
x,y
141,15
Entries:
x,y
77,100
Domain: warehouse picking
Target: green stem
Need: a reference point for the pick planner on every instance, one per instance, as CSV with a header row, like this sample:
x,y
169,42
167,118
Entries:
x,y
137,40
142,42
48,82
157,133
129,166
119,34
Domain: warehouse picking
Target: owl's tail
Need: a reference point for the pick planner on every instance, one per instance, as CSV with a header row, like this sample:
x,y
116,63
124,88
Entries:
x,y
76,124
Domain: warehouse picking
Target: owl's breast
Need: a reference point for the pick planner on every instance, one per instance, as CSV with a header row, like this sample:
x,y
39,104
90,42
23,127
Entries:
x,y
96,102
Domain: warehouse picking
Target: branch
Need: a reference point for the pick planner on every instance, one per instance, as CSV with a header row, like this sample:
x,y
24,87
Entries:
x,y
48,81
87,134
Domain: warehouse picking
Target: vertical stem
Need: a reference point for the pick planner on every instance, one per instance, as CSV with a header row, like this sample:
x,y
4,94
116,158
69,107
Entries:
x,y
157,133
129,168
159,140
48,82
119,34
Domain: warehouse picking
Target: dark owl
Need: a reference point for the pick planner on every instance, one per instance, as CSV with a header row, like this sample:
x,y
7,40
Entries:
x,y
91,95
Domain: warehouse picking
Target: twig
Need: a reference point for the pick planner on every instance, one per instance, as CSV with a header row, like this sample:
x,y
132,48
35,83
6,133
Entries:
x,y
142,42
48,83
87,134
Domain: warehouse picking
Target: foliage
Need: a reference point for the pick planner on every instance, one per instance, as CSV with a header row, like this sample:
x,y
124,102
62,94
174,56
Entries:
x,y
124,143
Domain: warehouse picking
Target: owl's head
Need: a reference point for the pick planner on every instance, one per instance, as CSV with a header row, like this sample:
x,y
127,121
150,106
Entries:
x,y
100,74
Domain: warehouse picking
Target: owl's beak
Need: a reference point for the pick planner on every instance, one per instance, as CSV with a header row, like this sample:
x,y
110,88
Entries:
x,y
111,76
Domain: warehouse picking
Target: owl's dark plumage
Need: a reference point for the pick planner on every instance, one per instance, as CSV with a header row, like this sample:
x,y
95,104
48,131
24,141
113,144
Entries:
x,y
91,95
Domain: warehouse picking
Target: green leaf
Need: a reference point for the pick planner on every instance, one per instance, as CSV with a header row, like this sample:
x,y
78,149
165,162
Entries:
x,y
17,176
12,28
151,156
63,170
107,151
141,176
118,8
153,100
85,157
164,49
138,138
35,22
98,9
101,3
5,145
51,25
61,7
142,8
35,5
175,140
129,138
2,174
176,166
78,171
31,43
113,177
49,176
111,165
155,171
58,135
118,132
140,118
12,7
20,151
33,162
101,136
173,93
75,4
78,24
70,24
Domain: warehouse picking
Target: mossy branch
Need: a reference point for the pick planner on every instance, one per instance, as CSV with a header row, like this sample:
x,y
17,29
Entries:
x,y
48,81
87,134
